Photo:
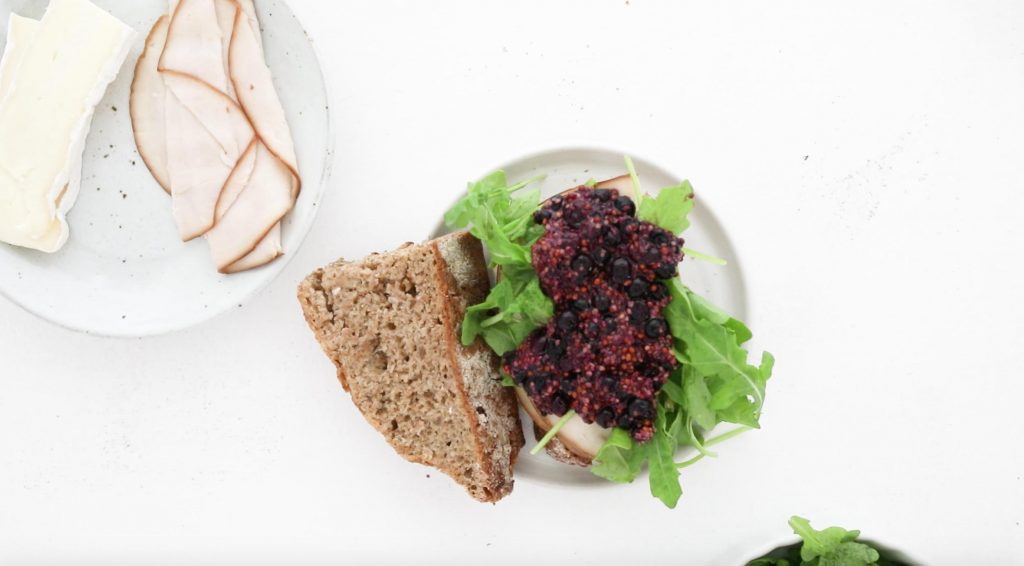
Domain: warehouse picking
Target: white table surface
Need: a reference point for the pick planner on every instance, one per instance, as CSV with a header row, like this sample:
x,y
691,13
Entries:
x,y
865,158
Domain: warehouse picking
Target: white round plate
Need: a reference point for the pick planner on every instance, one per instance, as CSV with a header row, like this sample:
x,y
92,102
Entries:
x,y
124,271
722,285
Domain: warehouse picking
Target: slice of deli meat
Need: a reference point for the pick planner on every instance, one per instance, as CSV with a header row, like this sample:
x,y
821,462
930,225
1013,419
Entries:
x,y
217,112
267,197
269,247
249,9
146,105
194,44
255,89
198,170
226,11
265,252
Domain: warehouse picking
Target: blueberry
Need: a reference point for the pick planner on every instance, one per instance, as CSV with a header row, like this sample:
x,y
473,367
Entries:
x,y
607,382
625,422
582,263
553,349
637,289
602,303
612,237
655,328
625,204
568,384
610,324
567,321
666,271
519,376
639,314
605,417
603,195
593,329
621,270
660,237
556,203
600,256
540,344
541,216
651,370
651,256
575,217
565,364
580,305
658,291
536,384
640,409
559,404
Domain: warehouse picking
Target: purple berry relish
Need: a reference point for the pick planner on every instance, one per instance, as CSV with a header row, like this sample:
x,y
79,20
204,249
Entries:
x,y
607,350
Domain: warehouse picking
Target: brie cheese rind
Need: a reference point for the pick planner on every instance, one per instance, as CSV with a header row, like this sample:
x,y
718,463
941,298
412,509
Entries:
x,y
55,72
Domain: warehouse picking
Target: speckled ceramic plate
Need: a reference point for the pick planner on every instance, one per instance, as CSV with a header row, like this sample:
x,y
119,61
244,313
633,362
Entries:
x,y
124,271
571,167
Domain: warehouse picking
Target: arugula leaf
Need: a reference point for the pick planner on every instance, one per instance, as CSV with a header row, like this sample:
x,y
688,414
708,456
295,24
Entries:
x,y
503,221
661,451
670,209
697,398
833,546
619,460
514,308
710,346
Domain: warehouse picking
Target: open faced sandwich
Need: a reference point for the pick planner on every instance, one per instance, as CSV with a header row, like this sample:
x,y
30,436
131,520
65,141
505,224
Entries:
x,y
615,360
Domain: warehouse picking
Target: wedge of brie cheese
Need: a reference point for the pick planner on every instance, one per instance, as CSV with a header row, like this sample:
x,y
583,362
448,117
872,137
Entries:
x,y
53,74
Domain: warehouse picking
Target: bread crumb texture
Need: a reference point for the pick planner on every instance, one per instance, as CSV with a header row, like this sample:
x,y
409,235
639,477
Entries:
x,y
391,325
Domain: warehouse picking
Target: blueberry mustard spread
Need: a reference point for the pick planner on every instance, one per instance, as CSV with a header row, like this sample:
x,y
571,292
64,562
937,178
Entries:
x,y
607,351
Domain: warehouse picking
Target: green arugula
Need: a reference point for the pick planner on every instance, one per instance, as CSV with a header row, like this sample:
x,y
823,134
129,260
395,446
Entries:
x,y
503,221
833,546
713,384
670,209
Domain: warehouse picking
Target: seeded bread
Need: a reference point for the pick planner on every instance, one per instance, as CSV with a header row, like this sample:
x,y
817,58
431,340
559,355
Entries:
x,y
391,325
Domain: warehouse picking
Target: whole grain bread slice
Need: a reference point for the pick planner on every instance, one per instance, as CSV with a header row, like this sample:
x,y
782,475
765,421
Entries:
x,y
391,325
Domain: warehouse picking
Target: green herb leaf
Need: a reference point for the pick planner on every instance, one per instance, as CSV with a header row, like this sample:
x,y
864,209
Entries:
x,y
833,546
620,459
711,348
697,398
670,209
514,308
661,451
503,221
